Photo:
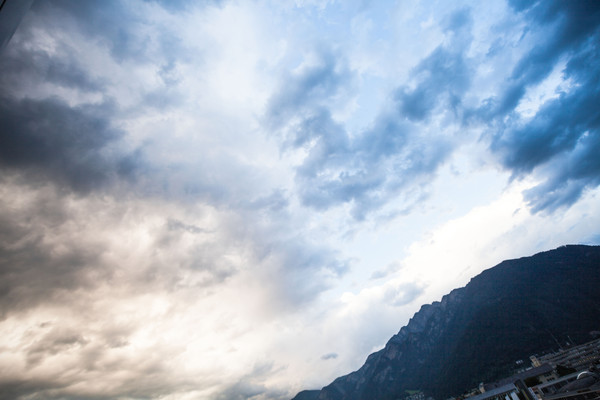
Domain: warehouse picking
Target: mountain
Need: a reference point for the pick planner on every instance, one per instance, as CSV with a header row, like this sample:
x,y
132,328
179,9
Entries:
x,y
475,334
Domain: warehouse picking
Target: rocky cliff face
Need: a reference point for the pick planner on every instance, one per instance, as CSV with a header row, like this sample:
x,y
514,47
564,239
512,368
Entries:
x,y
476,333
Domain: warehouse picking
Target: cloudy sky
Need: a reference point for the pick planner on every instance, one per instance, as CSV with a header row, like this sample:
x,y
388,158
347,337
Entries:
x,y
243,199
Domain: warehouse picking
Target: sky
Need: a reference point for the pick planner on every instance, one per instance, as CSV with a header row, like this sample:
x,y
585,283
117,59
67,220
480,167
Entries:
x,y
243,199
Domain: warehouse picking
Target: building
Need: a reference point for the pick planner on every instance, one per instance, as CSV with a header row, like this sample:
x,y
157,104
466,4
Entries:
x,y
585,387
533,376
577,357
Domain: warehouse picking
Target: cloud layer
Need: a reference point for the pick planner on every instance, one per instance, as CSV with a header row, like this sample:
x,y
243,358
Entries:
x,y
237,200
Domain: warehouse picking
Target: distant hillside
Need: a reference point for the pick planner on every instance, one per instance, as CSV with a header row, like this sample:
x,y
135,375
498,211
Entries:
x,y
476,333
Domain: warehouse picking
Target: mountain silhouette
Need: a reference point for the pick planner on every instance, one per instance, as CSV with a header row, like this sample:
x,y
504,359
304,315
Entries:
x,y
476,333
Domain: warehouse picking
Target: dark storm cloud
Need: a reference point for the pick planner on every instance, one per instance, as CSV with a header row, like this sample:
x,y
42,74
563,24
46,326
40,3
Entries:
x,y
560,142
77,146
560,123
564,28
44,138
569,177
48,139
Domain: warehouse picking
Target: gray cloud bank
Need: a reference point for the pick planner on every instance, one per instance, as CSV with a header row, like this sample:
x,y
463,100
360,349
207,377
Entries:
x,y
560,142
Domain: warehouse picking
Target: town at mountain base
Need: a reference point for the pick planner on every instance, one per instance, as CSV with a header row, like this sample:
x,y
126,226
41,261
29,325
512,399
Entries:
x,y
485,331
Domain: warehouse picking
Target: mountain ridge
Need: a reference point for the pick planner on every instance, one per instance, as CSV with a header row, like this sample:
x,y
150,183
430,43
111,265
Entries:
x,y
475,333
